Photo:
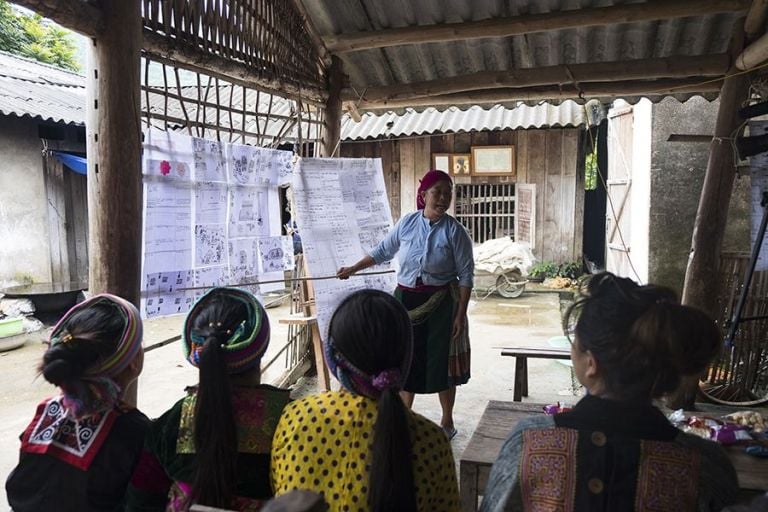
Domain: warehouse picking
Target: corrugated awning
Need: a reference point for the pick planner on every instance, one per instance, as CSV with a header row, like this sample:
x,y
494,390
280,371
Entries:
x,y
455,120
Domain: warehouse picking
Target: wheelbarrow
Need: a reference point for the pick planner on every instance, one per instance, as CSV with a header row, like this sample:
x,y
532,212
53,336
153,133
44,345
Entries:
x,y
500,267
509,284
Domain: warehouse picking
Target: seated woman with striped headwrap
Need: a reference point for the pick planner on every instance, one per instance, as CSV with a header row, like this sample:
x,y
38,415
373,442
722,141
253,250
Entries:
x,y
79,451
362,448
212,447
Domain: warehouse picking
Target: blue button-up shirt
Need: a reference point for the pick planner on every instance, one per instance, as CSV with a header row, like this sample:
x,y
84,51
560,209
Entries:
x,y
438,253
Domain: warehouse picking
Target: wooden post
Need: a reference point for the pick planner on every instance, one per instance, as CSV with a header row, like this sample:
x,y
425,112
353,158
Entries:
x,y
114,152
701,276
332,131
114,156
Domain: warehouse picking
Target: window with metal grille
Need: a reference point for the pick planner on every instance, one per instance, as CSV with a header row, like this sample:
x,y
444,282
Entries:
x,y
486,210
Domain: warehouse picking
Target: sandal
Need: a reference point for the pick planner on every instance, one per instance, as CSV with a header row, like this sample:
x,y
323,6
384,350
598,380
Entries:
x,y
450,432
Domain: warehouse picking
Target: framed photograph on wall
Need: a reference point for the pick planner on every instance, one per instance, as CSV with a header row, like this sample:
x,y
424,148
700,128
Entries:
x,y
441,162
493,161
461,164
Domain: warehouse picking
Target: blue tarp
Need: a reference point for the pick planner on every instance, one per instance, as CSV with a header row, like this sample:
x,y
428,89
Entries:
x,y
74,162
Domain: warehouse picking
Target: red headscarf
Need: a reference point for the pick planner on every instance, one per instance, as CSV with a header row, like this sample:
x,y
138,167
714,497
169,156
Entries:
x,y
427,181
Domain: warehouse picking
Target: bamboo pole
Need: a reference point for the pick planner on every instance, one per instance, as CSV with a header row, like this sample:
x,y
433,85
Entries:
x,y
754,54
161,47
701,283
332,126
639,69
754,32
237,109
589,90
528,24
754,25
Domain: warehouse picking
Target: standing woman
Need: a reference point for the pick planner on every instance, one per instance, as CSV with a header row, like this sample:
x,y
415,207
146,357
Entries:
x,y
360,447
212,447
434,284
79,451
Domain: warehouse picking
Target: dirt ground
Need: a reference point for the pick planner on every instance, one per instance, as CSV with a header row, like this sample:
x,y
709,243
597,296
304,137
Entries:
x,y
529,320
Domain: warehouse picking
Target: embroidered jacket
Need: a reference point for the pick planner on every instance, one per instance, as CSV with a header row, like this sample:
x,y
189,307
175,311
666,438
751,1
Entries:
x,y
77,466
163,479
605,456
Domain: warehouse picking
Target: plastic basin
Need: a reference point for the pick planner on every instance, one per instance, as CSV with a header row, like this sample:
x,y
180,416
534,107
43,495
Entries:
x,y
10,327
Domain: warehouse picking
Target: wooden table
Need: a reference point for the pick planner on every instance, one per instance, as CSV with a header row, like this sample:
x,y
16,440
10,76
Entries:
x,y
499,419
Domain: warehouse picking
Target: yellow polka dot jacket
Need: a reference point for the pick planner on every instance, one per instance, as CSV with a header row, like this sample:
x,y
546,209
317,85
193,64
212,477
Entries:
x,y
323,444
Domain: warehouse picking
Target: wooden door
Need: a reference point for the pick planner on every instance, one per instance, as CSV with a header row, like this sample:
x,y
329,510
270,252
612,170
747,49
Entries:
x,y
618,222
67,222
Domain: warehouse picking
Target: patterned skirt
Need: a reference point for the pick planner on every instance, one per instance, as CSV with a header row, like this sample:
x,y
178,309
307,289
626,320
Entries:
x,y
439,361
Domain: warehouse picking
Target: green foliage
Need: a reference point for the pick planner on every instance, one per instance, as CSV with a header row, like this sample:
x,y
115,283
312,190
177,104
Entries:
x,y
11,35
590,170
543,269
32,36
571,269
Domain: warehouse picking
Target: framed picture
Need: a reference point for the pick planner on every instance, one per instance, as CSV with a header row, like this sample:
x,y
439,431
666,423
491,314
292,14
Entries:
x,y
493,160
461,164
441,162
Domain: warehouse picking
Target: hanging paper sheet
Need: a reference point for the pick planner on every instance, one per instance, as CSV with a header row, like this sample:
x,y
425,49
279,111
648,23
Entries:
x,y
207,206
342,212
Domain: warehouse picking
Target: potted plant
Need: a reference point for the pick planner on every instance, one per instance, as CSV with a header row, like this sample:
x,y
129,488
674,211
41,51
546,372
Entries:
x,y
541,270
571,270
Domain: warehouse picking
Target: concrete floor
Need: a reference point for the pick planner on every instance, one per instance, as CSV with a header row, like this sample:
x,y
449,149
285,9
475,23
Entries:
x,y
494,323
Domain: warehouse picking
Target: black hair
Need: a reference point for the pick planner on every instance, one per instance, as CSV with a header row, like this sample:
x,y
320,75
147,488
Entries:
x,y
643,339
215,430
93,334
373,332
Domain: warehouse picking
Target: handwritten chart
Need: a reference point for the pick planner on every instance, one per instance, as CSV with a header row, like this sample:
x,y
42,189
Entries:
x,y
343,211
211,218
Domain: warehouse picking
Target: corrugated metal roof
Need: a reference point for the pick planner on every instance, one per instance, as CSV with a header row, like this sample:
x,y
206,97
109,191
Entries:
x,y
29,88
453,120
414,63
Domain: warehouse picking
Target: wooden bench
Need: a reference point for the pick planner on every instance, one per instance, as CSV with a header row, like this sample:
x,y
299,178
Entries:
x,y
521,356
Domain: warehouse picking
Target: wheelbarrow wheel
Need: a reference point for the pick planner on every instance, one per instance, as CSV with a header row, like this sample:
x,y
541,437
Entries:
x,y
510,285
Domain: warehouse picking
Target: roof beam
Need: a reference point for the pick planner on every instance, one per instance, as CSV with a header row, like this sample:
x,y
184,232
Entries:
x,y
77,15
641,69
526,24
584,91
754,25
753,55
